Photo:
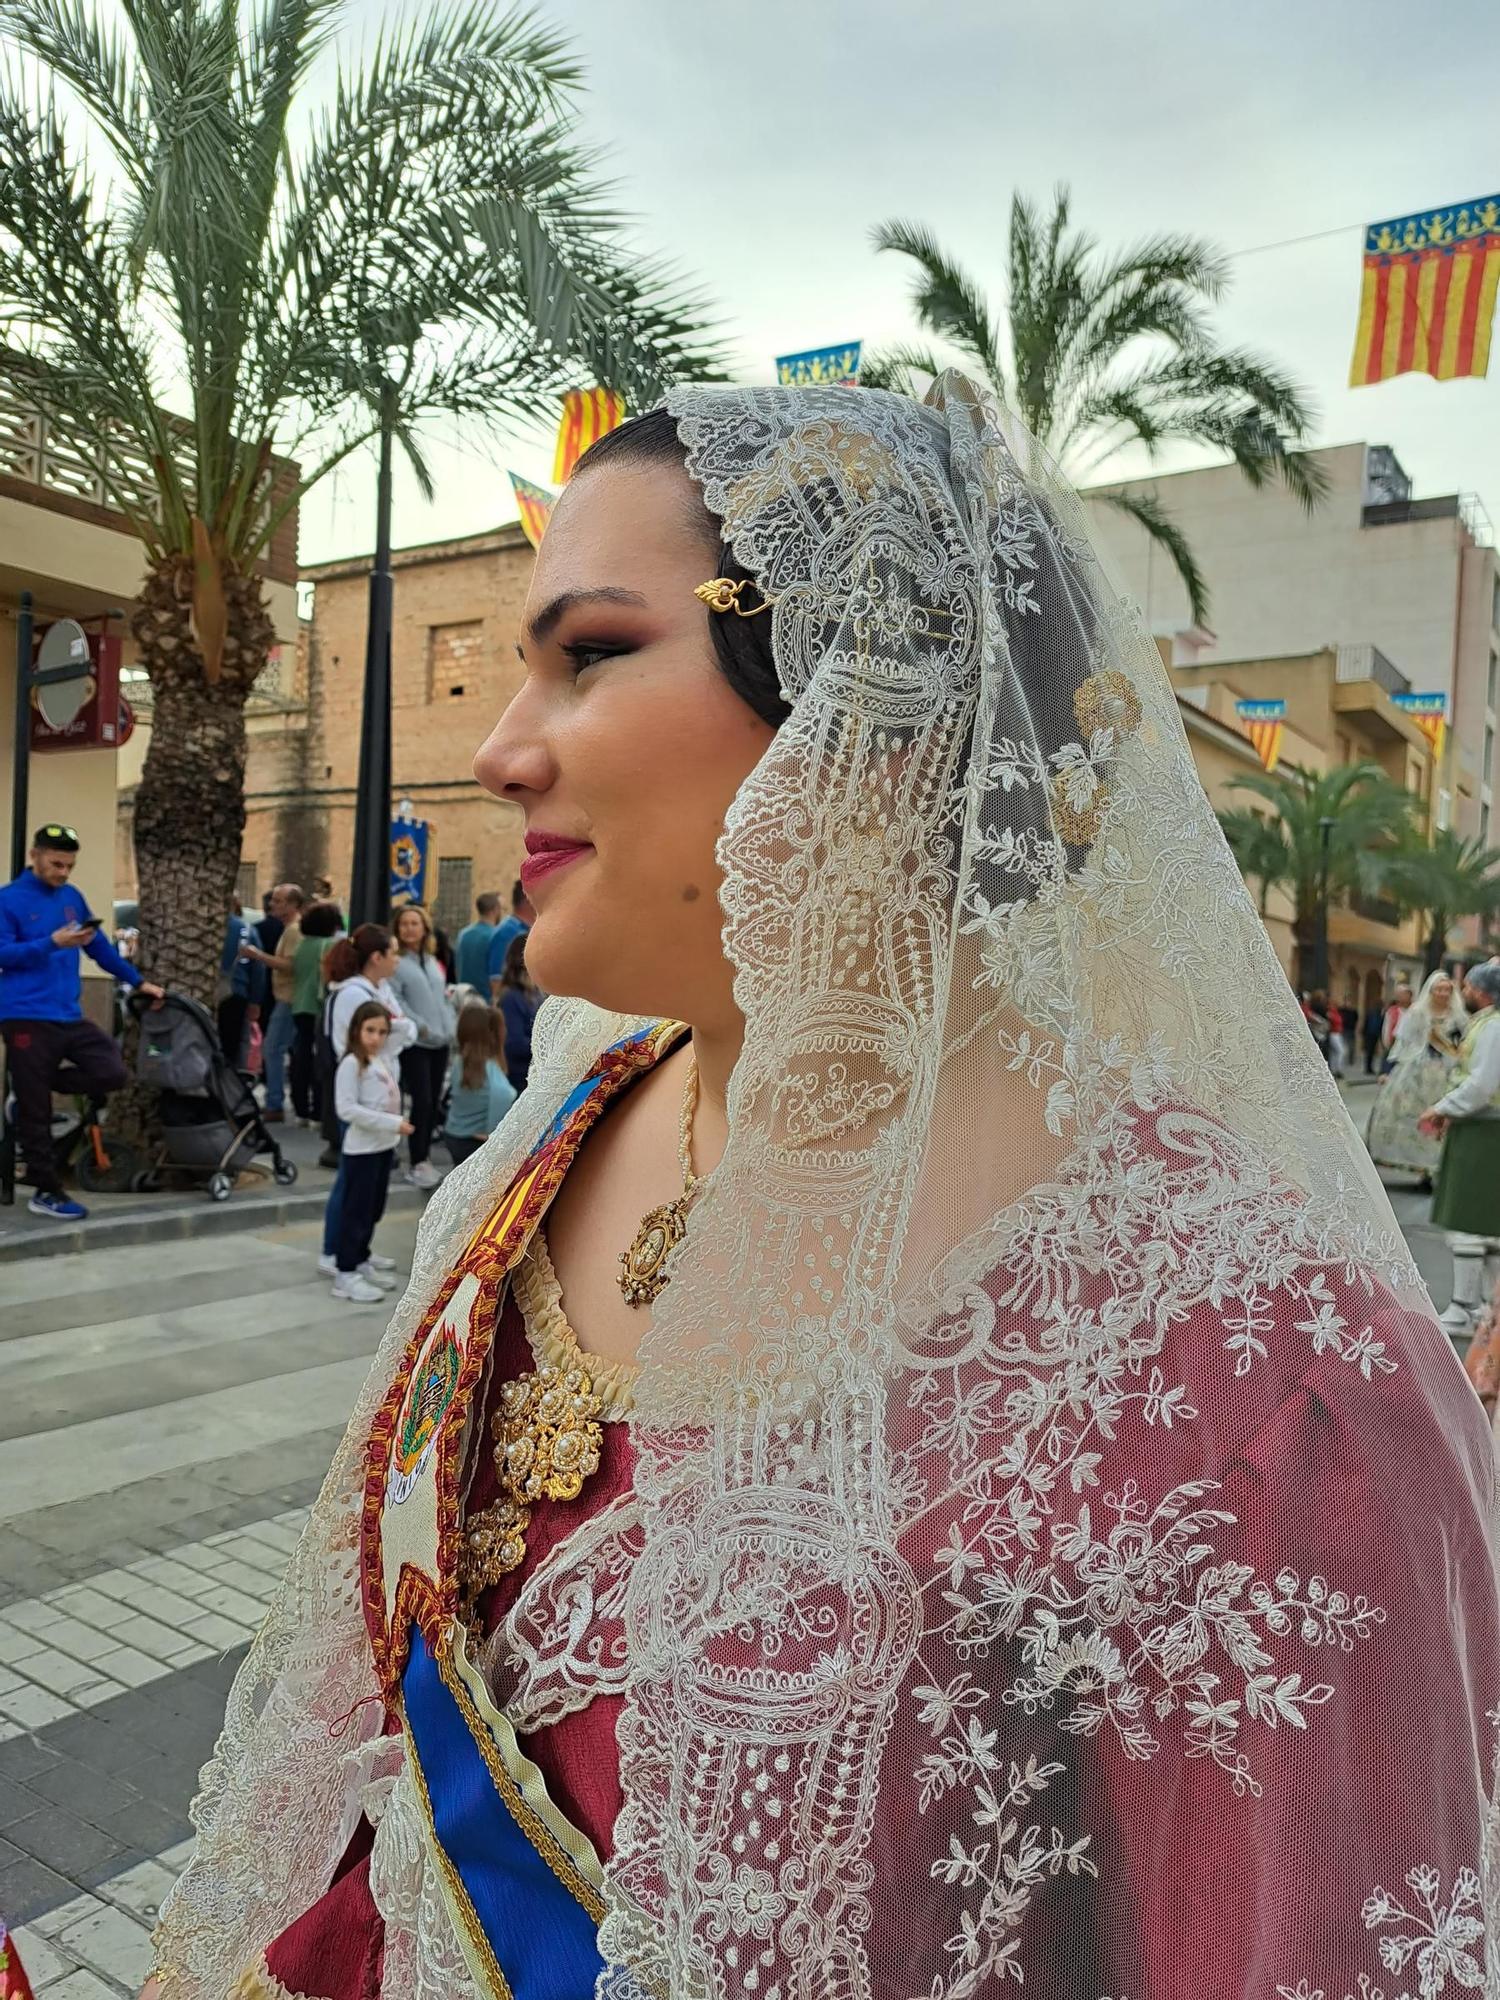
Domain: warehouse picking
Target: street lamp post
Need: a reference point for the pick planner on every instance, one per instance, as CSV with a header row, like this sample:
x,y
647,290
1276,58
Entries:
x,y
369,897
1320,969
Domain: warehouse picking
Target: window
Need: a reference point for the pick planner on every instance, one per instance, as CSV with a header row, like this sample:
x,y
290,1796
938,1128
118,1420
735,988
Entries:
x,y
1495,606
1489,699
1484,824
244,888
1487,767
454,655
451,907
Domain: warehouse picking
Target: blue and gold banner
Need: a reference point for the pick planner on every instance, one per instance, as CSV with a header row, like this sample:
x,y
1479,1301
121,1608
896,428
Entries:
x,y
408,871
820,367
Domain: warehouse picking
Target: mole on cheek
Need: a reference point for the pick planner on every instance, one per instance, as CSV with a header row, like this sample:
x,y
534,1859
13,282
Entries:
x,y
691,893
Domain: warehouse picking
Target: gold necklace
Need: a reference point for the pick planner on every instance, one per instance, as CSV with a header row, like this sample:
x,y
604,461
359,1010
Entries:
x,y
642,1267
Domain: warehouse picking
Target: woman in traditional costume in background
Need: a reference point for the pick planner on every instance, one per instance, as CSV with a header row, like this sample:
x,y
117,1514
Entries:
x,y
916,1456
1423,1055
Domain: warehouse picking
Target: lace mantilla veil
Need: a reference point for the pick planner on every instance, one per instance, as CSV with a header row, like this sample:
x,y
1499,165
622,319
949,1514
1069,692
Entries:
x,y
1043,1403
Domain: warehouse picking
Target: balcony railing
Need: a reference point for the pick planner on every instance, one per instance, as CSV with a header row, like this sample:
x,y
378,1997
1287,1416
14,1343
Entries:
x,y
1376,910
1368,663
34,449
48,456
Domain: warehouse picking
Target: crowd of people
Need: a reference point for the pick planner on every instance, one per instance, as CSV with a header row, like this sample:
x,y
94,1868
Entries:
x,y
380,1036
384,1034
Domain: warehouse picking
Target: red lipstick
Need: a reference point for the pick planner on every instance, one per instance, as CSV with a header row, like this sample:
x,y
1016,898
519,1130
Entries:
x,y
546,853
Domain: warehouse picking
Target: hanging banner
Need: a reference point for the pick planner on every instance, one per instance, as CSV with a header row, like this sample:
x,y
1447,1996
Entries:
x,y
587,415
1428,295
1430,713
409,844
820,367
1263,723
534,505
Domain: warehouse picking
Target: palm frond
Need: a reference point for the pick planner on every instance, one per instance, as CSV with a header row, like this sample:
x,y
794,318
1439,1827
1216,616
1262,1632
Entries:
x,y
900,368
947,301
1163,530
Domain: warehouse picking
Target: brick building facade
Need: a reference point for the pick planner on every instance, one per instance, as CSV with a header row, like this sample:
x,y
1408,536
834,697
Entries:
x,y
453,670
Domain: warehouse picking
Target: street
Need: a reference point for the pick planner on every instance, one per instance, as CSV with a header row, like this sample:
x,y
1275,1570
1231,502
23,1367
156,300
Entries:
x,y
169,1411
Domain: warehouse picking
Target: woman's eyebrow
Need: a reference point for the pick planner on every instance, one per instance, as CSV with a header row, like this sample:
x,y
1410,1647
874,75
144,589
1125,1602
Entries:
x,y
546,620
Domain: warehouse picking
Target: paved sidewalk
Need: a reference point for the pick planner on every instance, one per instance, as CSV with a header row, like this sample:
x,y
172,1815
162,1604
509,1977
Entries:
x,y
116,1220
166,1422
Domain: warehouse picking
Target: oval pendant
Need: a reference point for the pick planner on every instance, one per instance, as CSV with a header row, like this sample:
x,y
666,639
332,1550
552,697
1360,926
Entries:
x,y
642,1267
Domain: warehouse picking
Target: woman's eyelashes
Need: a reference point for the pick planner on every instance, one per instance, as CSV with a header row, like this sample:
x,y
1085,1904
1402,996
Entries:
x,y
583,653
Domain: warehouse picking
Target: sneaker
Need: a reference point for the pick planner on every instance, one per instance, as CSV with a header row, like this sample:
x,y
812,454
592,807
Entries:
x,y
379,1263
330,1157
355,1290
328,1264
274,1117
59,1206
372,1276
424,1176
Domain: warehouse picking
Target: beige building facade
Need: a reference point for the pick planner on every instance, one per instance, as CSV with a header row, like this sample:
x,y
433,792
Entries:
x,y
457,612
1415,580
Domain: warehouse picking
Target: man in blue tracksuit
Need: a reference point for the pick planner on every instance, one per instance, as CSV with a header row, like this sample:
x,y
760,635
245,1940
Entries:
x,y
44,924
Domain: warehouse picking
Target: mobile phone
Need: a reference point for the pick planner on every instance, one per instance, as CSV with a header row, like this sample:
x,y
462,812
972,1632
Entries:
x,y
90,925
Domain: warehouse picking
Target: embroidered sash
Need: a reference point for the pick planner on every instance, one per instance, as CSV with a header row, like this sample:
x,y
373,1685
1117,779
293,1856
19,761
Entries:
x,y
523,1884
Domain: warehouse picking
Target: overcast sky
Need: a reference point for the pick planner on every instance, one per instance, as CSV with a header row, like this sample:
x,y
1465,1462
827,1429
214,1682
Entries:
x,y
759,141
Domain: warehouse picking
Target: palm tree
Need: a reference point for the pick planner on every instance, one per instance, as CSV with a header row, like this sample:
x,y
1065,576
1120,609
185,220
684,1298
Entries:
x,y
191,225
1098,351
1441,883
1365,814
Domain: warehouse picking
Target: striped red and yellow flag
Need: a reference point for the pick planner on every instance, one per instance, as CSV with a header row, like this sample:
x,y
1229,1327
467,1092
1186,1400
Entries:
x,y
1266,736
587,415
1428,297
534,505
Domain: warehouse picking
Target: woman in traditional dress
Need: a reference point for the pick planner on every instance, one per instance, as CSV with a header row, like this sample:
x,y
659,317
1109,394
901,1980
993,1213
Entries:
x,y
1425,1050
916,1456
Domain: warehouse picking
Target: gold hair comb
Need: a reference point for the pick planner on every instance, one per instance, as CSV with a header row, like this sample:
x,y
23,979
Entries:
x,y
723,595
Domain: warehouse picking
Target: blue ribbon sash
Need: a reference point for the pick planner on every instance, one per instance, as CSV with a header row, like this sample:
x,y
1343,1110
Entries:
x,y
524,1903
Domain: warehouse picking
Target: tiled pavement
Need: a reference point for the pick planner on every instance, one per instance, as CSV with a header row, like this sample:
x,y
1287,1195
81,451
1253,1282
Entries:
x,y
166,1415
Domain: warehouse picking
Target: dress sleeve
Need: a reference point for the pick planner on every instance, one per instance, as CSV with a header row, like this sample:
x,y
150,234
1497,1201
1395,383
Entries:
x,y
1356,1824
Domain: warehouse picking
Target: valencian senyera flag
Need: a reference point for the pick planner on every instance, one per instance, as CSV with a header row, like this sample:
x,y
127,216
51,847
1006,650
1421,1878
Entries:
x,y
587,415
818,367
1429,294
534,505
1263,722
1430,713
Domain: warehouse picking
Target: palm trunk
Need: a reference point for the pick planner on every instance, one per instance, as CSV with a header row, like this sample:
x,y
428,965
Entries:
x,y
190,804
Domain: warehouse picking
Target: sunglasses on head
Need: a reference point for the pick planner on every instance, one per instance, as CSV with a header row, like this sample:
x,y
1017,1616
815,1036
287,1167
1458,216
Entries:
x,y
65,836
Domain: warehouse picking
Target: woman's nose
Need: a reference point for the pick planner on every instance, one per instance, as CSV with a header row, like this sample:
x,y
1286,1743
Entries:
x,y
514,757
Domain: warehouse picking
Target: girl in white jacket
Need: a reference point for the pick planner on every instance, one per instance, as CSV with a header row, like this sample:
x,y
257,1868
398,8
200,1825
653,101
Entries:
x,y
367,1092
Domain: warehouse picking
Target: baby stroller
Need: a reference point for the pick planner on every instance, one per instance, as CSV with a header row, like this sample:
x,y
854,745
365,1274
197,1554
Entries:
x,y
211,1123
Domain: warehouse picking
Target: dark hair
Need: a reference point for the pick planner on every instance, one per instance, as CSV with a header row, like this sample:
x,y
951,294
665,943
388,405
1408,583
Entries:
x,y
320,920
352,954
487,902
742,646
513,973
367,1010
517,893
54,838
